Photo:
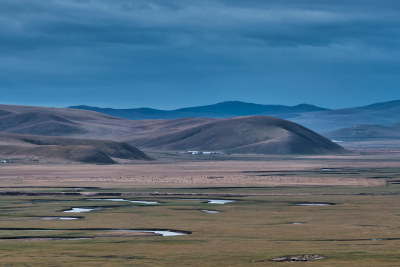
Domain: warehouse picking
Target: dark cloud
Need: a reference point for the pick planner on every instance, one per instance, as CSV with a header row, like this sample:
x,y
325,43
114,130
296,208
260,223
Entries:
x,y
192,52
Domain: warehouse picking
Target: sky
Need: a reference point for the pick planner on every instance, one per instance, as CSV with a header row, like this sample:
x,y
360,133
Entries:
x,y
176,53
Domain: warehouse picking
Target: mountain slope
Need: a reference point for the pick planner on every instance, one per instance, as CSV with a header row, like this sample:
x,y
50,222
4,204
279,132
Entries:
x,y
254,134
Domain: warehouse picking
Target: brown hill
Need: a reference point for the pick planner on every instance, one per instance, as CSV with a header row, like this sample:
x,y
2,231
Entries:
x,y
69,149
83,123
40,123
254,134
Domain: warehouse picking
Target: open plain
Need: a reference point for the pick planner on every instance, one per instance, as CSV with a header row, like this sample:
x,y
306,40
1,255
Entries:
x,y
199,133
341,210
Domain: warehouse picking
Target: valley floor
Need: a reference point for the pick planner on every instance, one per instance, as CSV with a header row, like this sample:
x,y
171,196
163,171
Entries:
x,y
344,208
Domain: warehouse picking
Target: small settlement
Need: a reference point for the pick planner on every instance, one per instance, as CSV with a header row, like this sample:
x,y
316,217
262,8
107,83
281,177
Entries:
x,y
195,152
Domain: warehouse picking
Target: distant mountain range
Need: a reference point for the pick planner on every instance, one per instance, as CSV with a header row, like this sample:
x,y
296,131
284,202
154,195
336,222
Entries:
x,y
220,110
319,119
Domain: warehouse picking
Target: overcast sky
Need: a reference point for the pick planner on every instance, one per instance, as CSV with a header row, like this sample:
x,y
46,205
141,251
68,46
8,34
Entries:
x,y
177,53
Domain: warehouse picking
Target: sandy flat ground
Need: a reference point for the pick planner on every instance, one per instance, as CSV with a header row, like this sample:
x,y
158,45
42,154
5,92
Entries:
x,y
198,173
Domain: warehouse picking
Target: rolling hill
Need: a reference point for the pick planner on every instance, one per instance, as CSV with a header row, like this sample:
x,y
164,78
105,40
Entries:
x,y
57,149
366,132
251,134
70,129
83,123
386,113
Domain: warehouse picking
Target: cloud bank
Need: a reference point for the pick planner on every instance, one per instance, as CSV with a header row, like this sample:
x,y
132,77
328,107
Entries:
x,y
179,52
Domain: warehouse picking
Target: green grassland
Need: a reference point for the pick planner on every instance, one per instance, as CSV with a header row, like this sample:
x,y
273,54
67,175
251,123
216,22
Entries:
x,y
251,229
